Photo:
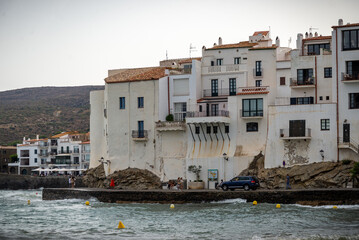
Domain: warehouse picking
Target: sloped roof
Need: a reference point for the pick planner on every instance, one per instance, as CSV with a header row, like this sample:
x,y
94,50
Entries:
x,y
317,38
260,32
348,25
189,60
264,48
137,74
245,44
63,134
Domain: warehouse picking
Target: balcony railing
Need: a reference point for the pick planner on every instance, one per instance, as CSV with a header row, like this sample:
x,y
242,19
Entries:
x,y
219,92
171,126
220,113
43,154
139,134
24,162
25,155
354,76
223,68
293,134
65,151
249,90
179,116
310,81
258,72
251,113
76,151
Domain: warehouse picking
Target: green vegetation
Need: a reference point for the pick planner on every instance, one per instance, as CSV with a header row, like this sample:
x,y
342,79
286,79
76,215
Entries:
x,y
355,170
346,162
169,118
196,170
43,111
13,158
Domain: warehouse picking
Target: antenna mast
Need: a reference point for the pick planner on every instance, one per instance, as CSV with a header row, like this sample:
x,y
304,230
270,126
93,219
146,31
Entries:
x,y
191,49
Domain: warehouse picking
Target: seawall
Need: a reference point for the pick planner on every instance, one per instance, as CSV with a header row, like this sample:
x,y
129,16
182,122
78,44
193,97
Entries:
x,y
14,182
305,196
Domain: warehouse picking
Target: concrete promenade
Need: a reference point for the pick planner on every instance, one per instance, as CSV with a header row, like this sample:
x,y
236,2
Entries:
x,y
300,196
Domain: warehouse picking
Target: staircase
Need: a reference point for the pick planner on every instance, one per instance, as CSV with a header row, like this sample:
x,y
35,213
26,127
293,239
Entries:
x,y
353,145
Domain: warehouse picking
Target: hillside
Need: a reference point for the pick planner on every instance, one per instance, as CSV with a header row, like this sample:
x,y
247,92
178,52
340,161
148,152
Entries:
x,y
44,111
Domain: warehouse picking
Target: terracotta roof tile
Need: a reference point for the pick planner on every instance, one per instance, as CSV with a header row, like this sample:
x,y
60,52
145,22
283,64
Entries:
x,y
88,142
348,25
260,32
7,147
250,93
137,74
63,134
245,44
317,38
189,60
264,48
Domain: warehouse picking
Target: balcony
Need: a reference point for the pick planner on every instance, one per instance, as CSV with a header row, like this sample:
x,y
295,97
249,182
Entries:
x,y
24,162
288,134
43,154
252,90
221,116
180,71
224,69
251,114
309,82
171,126
140,135
257,72
65,152
219,92
76,151
350,78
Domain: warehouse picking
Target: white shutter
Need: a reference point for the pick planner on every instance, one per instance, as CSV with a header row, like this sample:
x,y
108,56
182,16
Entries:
x,y
181,87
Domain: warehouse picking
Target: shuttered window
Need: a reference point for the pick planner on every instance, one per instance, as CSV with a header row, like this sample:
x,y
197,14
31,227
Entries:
x,y
181,87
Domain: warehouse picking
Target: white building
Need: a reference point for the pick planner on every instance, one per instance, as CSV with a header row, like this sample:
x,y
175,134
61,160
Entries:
x,y
235,102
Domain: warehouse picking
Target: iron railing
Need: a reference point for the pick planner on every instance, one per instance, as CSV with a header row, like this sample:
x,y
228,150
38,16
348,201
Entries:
x,y
302,82
352,76
219,113
287,133
139,133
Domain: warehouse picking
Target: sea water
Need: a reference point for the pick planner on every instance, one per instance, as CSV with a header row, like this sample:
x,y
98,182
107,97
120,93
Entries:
x,y
230,219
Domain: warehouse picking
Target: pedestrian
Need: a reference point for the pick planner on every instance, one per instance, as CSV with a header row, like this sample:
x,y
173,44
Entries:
x,y
73,180
70,181
283,163
288,183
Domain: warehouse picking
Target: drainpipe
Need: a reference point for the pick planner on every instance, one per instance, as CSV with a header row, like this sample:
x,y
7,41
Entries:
x,y
168,94
316,80
336,64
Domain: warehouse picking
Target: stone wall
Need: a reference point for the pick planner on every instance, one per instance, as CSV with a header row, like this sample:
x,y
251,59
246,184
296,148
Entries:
x,y
14,182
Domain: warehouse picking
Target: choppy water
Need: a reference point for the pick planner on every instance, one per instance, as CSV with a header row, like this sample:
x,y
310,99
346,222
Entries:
x,y
232,219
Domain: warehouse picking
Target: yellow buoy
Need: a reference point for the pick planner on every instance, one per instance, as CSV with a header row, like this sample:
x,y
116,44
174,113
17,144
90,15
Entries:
x,y
277,206
87,203
28,202
335,207
172,206
120,225
254,202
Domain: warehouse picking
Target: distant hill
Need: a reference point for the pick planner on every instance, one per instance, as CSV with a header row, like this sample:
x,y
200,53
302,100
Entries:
x,y
44,110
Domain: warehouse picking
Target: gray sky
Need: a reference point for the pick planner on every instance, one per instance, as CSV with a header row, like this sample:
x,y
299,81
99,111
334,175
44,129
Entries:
x,y
71,43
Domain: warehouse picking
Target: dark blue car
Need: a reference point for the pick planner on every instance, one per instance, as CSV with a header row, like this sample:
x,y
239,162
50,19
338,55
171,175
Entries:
x,y
245,182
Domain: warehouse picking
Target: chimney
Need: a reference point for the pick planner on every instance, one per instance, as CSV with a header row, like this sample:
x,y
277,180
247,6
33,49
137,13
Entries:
x,y
315,34
277,41
310,35
306,34
299,40
214,44
340,22
219,41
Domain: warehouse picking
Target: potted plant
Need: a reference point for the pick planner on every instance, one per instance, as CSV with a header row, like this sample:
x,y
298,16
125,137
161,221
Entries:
x,y
198,183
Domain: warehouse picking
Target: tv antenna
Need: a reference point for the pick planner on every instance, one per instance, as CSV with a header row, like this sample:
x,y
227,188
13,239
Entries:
x,y
312,28
166,55
191,49
289,41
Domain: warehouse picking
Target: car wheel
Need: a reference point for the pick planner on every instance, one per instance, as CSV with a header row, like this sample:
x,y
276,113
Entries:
x,y
246,187
225,187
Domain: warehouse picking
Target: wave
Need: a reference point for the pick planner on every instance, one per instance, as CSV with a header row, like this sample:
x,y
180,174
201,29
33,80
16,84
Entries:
x,y
328,206
229,201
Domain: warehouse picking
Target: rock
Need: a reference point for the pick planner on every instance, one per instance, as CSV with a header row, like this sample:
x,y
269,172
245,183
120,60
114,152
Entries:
x,y
131,178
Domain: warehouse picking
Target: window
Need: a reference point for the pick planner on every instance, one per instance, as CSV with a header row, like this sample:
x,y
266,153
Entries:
x,y
237,60
214,109
252,127
76,160
212,63
282,81
327,97
252,107
296,128
35,160
141,132
314,49
200,108
208,130
324,124
43,160
197,130
232,86
214,87
350,39
226,129
258,83
219,62
180,111
140,102
122,103
301,100
328,72
258,69
215,129
181,87
244,58
353,100
352,68
35,151
305,76
321,98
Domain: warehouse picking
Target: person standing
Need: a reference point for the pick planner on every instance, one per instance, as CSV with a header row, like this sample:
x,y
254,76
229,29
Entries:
x,y
288,183
70,181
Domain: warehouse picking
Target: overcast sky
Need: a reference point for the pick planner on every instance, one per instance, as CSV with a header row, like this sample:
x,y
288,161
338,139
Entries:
x,y
72,43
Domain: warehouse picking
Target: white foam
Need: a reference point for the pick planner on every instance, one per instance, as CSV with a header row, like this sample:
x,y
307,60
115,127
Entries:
x,y
329,206
235,200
